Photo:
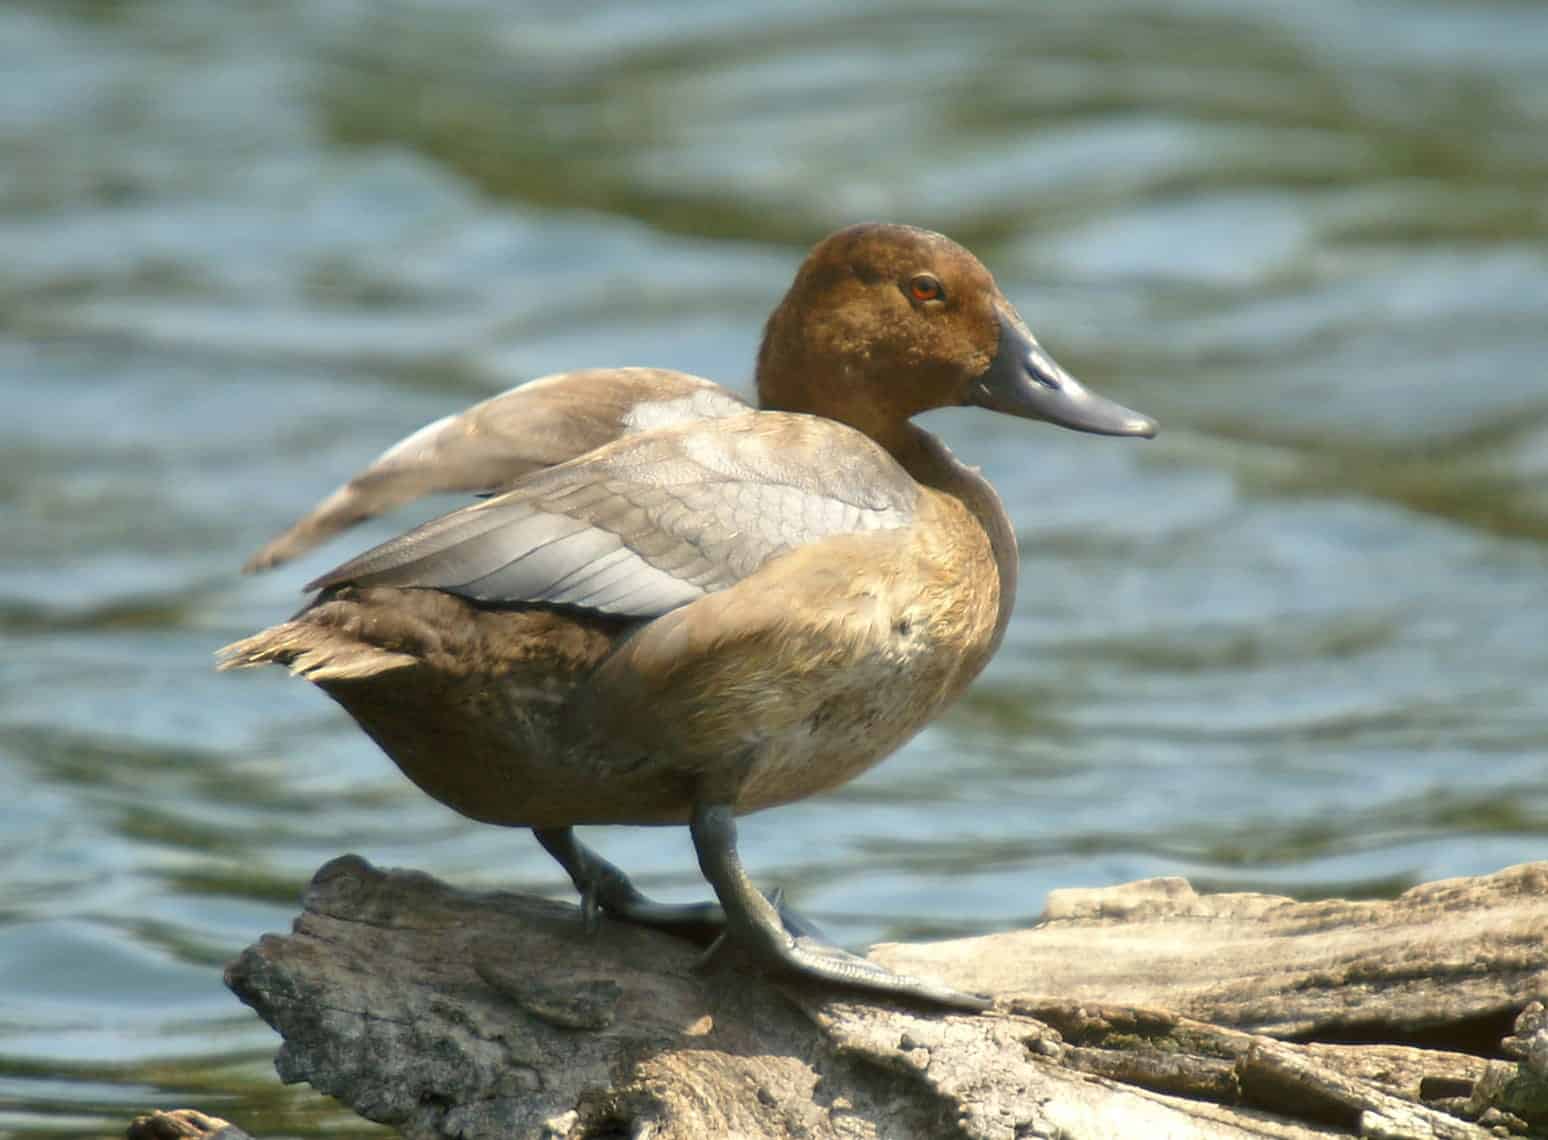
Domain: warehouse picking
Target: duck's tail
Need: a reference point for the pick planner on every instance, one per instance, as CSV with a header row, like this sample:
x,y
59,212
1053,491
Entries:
x,y
320,653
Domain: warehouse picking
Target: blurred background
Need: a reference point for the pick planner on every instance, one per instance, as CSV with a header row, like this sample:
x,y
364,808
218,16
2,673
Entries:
x,y
1299,643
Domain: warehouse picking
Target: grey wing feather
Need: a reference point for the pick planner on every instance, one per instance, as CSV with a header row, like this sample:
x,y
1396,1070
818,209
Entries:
x,y
494,443
648,524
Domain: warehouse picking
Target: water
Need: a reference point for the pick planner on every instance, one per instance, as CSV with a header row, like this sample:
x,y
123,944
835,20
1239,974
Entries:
x,y
1297,643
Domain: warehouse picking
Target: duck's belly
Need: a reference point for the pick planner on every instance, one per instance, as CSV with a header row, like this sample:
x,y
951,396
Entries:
x,y
480,719
506,743
863,714
539,719
488,749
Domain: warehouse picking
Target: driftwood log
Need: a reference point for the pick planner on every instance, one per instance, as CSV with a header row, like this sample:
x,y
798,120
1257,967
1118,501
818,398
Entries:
x,y
1145,1010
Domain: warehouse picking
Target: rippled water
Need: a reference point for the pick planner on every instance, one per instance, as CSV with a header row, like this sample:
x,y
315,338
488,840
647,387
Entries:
x,y
1299,642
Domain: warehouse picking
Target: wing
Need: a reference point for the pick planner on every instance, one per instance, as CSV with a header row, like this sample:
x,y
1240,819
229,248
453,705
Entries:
x,y
498,441
652,522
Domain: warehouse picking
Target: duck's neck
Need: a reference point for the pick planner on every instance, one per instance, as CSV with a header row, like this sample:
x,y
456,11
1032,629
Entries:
x,y
932,464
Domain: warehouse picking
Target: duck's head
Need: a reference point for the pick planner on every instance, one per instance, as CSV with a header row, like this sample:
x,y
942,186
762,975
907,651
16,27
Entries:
x,y
884,322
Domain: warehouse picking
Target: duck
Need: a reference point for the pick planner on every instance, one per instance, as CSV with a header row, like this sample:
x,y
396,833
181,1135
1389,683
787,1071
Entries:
x,y
670,607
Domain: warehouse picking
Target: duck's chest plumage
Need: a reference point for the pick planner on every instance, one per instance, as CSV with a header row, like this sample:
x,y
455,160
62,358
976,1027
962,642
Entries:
x,y
914,624
809,672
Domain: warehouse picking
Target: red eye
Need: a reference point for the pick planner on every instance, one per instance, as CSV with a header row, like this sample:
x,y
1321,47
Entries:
x,y
926,288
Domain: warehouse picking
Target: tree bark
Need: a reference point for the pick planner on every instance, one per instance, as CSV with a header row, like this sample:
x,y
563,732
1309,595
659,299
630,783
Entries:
x,y
1145,1010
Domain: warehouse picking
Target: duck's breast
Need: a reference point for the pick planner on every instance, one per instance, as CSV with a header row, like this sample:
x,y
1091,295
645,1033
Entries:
x,y
810,671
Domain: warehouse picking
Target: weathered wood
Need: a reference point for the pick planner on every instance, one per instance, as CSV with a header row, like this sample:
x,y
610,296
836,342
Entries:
x,y
1442,954
182,1124
444,1013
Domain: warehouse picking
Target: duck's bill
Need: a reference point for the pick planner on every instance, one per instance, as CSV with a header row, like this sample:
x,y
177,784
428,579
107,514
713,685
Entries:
x,y
1025,381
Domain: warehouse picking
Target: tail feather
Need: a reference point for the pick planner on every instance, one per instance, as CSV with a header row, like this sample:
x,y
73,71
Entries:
x,y
317,652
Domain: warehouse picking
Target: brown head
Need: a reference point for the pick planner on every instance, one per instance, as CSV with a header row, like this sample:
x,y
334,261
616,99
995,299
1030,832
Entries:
x,y
884,322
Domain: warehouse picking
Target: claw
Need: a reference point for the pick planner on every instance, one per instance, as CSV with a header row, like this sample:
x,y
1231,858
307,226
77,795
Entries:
x,y
711,952
591,909
780,941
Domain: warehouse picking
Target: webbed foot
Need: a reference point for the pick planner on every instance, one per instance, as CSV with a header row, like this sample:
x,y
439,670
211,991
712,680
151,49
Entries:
x,y
763,930
606,888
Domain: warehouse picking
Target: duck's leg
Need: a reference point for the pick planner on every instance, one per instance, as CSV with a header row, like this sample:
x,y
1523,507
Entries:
x,y
762,928
604,886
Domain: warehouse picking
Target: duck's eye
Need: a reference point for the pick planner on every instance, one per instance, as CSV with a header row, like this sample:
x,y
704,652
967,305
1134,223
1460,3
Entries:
x,y
924,287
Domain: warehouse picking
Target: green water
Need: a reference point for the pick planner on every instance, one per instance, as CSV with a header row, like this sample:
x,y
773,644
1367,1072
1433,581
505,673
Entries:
x,y
1298,643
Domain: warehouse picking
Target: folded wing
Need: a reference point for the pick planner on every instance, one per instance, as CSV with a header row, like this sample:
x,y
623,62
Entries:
x,y
654,521
496,442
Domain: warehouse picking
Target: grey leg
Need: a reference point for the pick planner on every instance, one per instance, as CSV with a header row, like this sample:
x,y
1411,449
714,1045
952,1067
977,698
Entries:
x,y
604,887
759,927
